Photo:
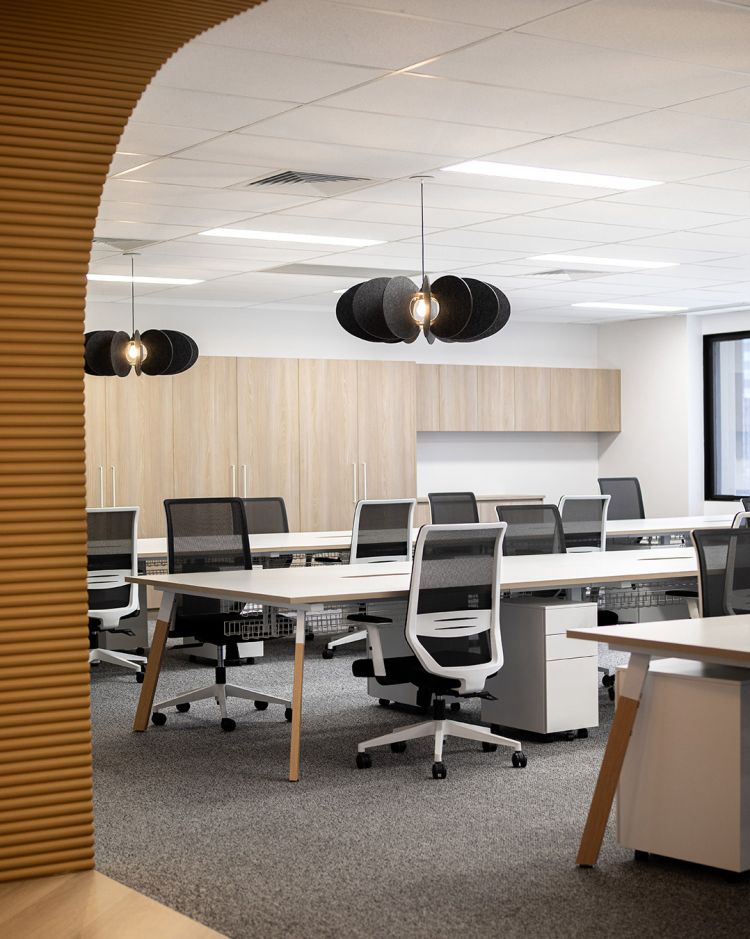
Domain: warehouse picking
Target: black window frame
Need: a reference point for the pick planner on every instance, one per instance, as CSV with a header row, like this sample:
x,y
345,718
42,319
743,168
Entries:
x,y
710,340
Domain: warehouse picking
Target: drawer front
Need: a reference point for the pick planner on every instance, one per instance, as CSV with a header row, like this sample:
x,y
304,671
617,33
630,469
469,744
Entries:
x,y
560,647
569,616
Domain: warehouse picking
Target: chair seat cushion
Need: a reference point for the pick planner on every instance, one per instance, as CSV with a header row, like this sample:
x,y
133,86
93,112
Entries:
x,y
606,618
405,670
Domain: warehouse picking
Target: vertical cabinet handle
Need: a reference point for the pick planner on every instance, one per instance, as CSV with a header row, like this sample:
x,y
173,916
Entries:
x,y
354,483
244,480
101,487
234,479
113,470
364,480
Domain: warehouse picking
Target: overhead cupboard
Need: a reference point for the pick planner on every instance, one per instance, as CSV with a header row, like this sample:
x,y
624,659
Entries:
x,y
322,433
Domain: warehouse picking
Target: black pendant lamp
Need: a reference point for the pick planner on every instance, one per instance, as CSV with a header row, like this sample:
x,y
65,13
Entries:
x,y
154,352
453,309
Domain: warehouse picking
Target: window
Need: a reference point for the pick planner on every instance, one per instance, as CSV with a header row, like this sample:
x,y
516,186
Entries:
x,y
726,372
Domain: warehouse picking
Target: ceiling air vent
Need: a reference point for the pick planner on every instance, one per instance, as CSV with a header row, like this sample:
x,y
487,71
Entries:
x,y
123,244
296,181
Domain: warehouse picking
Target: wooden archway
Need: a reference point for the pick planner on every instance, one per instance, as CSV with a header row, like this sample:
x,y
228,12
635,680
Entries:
x,y
71,72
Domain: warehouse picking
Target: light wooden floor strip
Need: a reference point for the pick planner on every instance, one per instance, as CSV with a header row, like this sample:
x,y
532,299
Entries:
x,y
89,906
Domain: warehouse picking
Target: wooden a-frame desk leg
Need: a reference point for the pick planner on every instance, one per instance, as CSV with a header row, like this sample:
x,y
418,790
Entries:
x,y
299,668
614,756
153,666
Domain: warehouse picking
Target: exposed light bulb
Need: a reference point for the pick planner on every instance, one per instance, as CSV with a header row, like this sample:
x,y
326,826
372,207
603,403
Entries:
x,y
135,352
422,306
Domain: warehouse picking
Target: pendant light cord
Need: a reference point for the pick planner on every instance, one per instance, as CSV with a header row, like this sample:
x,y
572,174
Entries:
x,y
132,297
421,213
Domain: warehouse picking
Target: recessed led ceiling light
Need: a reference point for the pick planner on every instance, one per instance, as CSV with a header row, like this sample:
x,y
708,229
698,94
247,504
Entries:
x,y
545,175
642,307
291,236
126,279
605,262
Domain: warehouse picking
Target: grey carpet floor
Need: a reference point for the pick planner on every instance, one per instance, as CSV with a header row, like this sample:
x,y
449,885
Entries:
x,y
206,823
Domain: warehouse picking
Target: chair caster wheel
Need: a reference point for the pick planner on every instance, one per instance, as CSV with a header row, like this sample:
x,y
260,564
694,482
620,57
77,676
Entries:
x,y
495,729
455,706
183,708
489,747
640,855
439,771
519,759
139,676
582,733
260,705
384,702
309,637
611,692
364,761
228,724
140,651
158,718
570,735
608,681
328,653
288,714
398,747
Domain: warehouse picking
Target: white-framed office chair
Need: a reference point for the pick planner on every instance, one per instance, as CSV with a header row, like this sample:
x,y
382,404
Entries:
x,y
453,631
381,532
584,521
112,550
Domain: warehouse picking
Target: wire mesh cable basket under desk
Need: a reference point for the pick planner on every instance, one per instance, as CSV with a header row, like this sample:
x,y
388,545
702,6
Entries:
x,y
640,595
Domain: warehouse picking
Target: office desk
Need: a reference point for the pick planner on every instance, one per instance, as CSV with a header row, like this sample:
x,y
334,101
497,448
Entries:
x,y
723,640
646,527
309,589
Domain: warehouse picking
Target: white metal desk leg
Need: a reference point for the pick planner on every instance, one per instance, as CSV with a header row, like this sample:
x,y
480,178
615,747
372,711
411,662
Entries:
x,y
299,667
614,756
153,666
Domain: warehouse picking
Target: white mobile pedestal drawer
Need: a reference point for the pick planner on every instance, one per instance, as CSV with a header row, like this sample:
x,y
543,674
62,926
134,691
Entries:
x,y
549,683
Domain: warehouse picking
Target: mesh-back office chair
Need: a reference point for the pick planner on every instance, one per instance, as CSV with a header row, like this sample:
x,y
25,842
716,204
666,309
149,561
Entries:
x,y
267,515
209,535
532,529
453,508
381,532
112,556
584,521
626,501
745,500
453,630
723,570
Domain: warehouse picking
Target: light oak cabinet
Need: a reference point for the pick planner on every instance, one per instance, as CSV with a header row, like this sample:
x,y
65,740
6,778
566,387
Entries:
x,y
268,431
328,443
204,402
428,397
531,399
603,401
495,398
458,397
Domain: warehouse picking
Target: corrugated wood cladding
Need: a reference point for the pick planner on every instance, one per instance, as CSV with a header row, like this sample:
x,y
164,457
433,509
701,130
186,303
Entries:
x,y
71,72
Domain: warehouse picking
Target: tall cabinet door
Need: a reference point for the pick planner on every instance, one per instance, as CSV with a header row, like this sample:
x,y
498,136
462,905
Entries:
x,y
204,404
328,443
387,422
268,431
95,393
139,447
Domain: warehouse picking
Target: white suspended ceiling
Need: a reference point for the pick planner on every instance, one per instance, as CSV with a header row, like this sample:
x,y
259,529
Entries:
x,y
389,89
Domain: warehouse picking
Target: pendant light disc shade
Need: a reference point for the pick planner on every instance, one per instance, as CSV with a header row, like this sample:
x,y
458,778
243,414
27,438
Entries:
x,y
503,314
485,309
119,356
345,315
97,352
159,352
184,352
397,297
367,306
454,296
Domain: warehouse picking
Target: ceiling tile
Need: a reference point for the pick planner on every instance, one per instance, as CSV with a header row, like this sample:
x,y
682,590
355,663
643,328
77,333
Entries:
x,y
617,213
391,213
306,225
698,31
738,179
389,132
248,201
145,231
253,257
675,130
342,34
729,106
412,95
498,202
203,67
590,232
503,15
519,60
688,196
122,162
204,109
198,173
518,244
697,241
160,139
167,214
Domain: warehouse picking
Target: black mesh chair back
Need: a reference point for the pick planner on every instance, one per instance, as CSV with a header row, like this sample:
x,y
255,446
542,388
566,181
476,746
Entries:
x,y
584,521
745,500
205,535
532,529
626,500
453,508
267,515
382,530
452,621
112,556
724,570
